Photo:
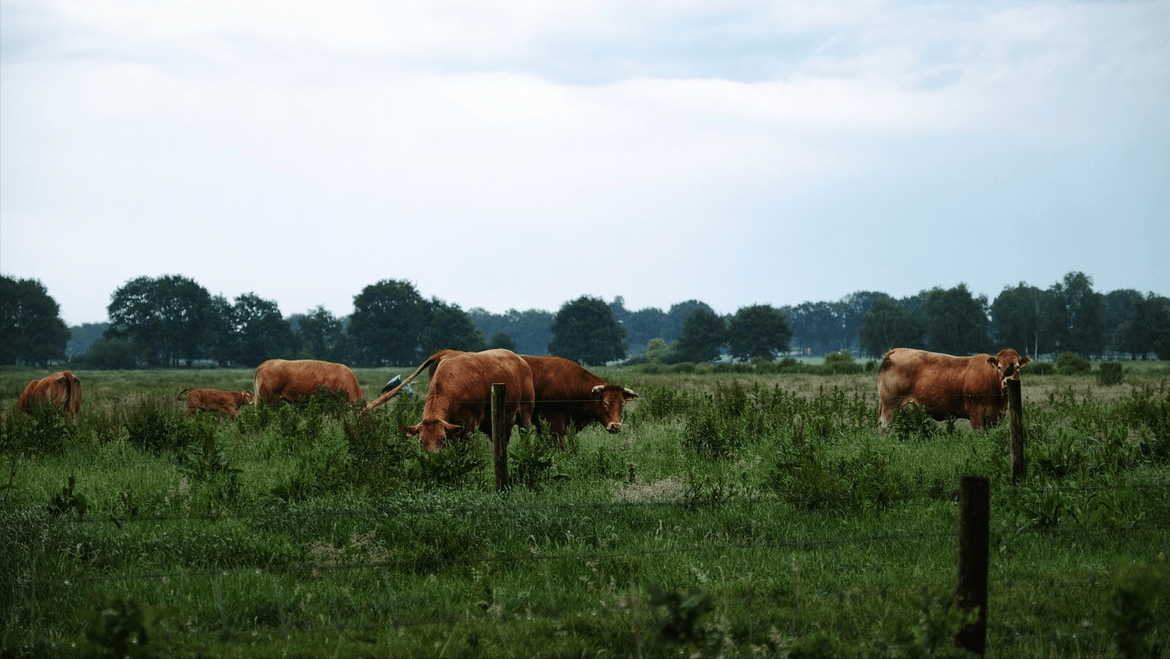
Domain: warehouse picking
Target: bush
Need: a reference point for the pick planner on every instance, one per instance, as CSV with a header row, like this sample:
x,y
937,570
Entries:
x,y
1110,374
840,363
1070,363
1041,368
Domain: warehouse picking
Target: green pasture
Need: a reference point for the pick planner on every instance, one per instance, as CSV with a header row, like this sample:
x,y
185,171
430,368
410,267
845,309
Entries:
x,y
737,514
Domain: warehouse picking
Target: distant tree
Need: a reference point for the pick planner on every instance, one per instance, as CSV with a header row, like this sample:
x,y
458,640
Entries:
x,y
168,317
259,331
823,326
389,324
1018,318
450,327
1151,322
31,329
677,317
319,333
1118,311
502,340
530,330
112,354
644,325
220,338
703,336
1078,324
82,336
956,322
585,330
760,331
888,325
657,350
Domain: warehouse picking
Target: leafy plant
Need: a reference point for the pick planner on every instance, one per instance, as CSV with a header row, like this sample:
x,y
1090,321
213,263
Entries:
x,y
1135,617
67,500
119,628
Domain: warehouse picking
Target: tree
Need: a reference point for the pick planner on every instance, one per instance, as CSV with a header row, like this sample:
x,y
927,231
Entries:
x,y
319,334
1018,318
258,331
1118,311
1150,323
956,322
389,324
889,325
529,330
450,327
502,340
112,353
31,329
1077,320
703,336
758,331
585,330
168,317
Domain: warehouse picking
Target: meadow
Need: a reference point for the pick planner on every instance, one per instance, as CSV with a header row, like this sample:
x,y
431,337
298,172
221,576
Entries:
x,y
737,514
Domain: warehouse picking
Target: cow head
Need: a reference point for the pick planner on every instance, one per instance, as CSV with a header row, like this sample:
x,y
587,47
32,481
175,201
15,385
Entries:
x,y
247,398
1008,363
610,399
432,433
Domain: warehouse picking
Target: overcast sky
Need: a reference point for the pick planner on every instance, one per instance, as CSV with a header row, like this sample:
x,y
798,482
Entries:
x,y
521,154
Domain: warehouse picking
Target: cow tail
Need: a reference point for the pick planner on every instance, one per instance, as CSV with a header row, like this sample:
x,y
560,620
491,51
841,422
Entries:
x,y
380,400
180,395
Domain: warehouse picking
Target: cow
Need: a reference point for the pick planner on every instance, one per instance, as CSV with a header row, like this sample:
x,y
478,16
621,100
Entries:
x,y
215,400
459,394
61,390
566,393
973,388
288,380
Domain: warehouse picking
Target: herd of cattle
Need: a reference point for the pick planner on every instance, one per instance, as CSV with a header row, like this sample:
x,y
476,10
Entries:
x,y
555,393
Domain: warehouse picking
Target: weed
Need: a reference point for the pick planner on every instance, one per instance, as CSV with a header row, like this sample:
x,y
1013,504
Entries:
x,y
67,501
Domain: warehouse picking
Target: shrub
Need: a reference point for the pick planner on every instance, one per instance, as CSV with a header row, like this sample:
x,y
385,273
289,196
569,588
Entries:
x,y
840,363
1110,374
1070,363
1041,368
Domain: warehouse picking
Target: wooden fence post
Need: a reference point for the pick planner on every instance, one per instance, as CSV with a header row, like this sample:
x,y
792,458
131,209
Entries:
x,y
500,435
974,541
1016,420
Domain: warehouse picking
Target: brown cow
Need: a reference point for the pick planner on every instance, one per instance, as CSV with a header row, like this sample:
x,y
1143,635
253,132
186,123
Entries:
x,y
459,394
215,400
61,390
567,393
281,379
972,388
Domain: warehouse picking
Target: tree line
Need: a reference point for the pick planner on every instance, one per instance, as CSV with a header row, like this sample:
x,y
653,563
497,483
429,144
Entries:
x,y
172,321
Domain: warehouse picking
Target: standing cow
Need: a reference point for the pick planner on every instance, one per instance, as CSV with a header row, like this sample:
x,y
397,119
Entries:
x,y
973,388
215,400
567,393
61,390
459,394
281,379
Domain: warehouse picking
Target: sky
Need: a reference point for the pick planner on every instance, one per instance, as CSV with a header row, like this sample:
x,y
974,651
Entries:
x,y
520,154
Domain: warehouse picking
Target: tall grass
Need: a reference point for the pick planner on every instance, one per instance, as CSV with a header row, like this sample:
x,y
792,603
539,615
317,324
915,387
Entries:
x,y
735,515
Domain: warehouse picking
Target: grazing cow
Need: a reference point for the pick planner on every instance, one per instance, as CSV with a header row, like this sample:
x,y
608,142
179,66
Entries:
x,y
61,390
567,393
215,400
972,388
280,379
459,394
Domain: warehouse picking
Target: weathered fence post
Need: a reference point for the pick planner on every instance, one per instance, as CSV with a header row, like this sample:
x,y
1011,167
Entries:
x,y
500,435
974,540
1016,421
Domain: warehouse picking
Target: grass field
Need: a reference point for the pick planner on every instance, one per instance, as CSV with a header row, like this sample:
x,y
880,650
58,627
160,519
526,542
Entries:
x,y
735,515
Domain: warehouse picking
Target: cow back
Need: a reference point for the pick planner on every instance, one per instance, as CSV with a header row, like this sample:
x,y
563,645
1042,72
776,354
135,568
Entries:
x,y
280,379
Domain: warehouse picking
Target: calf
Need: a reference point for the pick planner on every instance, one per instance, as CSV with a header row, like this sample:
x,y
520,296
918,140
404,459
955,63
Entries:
x,y
215,400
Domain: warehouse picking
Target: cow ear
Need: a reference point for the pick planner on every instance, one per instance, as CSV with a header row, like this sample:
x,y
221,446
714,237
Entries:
x,y
413,431
1024,360
994,362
